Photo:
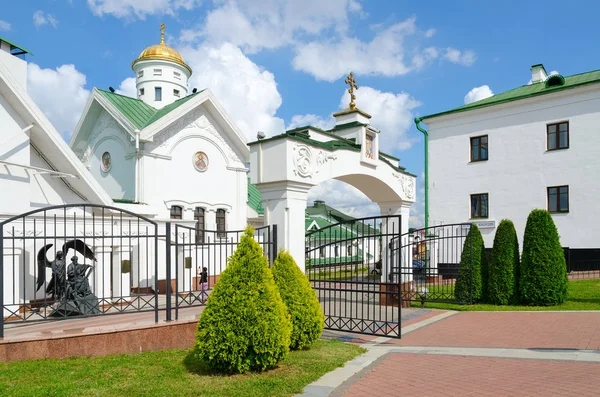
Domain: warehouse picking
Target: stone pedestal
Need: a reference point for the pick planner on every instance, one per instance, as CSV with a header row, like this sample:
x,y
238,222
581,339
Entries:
x,y
387,299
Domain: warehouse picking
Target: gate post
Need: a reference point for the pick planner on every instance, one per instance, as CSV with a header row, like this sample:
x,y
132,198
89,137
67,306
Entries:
x,y
168,262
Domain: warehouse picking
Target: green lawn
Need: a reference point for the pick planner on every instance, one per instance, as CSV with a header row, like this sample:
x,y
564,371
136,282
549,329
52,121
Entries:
x,y
583,295
341,274
167,373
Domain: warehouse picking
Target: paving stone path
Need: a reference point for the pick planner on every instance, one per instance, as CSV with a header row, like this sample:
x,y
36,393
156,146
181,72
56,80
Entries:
x,y
475,354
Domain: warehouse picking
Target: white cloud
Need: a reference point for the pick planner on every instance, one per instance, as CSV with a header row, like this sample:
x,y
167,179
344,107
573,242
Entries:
x,y
59,93
477,94
139,8
301,120
394,51
127,88
40,19
259,24
248,93
343,197
4,26
465,58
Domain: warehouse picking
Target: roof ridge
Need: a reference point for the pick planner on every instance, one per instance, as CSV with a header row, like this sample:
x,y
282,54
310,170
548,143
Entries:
x,y
124,96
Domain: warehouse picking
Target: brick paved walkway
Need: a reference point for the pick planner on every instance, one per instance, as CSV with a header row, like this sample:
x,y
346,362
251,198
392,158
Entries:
x,y
556,330
400,374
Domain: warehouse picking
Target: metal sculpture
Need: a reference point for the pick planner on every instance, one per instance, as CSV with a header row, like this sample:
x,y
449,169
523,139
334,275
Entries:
x,y
69,286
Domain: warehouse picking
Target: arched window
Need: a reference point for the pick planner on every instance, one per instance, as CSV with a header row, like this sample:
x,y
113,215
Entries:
x,y
221,223
200,226
176,212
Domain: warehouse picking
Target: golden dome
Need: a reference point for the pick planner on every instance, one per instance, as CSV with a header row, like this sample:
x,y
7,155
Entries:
x,y
163,52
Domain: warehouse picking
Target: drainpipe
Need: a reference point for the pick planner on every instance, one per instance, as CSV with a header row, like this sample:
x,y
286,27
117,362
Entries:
x,y
418,124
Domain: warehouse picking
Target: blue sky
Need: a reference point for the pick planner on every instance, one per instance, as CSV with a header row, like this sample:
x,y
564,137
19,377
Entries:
x,y
277,64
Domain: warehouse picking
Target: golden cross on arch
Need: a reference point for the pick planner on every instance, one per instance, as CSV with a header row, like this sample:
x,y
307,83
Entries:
x,y
352,83
162,33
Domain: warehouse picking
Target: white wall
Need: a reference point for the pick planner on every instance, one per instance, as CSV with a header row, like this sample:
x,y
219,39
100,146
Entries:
x,y
17,66
520,168
166,80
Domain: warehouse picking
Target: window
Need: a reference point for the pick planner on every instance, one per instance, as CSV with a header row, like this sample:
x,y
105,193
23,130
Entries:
x,y
158,72
176,212
176,93
479,148
221,223
199,218
558,199
141,91
479,205
322,252
349,250
141,73
558,135
157,94
336,249
177,75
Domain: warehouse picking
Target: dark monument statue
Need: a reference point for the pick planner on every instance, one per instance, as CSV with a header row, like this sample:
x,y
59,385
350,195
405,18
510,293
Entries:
x,y
69,286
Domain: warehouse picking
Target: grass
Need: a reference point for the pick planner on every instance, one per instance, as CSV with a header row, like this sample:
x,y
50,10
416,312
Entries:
x,y
583,295
339,274
167,373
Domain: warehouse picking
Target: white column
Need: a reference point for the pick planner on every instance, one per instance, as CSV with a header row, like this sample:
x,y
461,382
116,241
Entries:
x,y
101,273
285,206
391,246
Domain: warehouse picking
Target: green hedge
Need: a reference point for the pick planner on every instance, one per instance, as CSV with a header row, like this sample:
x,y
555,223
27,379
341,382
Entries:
x,y
245,325
300,299
471,260
502,285
543,279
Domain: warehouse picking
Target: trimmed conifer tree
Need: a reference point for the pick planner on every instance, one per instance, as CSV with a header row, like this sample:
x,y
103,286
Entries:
x,y
245,325
543,280
504,265
300,299
469,271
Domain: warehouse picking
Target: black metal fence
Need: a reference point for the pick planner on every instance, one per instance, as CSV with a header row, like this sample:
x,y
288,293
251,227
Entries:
x,y
433,267
347,265
207,251
582,263
89,260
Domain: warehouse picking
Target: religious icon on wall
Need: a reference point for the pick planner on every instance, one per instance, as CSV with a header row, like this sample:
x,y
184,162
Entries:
x,y
200,161
105,162
369,150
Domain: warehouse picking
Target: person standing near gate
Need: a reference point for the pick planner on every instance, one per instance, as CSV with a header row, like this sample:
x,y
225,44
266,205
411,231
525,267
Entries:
x,y
204,284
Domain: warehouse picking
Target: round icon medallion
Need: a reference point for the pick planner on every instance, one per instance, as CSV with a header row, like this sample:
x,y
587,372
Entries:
x,y
200,161
105,163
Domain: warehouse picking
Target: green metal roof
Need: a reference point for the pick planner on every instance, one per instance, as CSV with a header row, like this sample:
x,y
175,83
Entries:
x,y
526,91
16,46
255,199
140,114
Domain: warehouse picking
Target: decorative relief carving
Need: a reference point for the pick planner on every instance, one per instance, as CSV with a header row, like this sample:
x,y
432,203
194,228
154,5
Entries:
x,y
104,122
304,162
407,184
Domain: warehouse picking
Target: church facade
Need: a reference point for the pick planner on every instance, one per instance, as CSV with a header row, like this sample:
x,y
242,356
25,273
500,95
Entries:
x,y
167,154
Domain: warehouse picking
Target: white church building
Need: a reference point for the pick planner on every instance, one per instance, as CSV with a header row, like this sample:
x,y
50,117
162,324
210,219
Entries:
x,y
535,146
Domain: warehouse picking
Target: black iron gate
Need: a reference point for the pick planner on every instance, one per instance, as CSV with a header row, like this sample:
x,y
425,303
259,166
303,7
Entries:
x,y
431,264
82,260
196,251
345,263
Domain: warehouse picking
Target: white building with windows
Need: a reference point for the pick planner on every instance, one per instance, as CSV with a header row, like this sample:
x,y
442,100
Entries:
x,y
535,146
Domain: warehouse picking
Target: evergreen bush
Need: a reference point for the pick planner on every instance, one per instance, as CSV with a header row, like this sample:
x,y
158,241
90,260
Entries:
x,y
300,299
504,265
543,280
245,325
469,271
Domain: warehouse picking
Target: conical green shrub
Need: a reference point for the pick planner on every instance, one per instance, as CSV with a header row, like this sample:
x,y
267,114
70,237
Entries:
x,y
505,265
543,280
300,299
469,271
245,325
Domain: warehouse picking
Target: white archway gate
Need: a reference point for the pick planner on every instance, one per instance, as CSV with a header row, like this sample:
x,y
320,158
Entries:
x,y
285,167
